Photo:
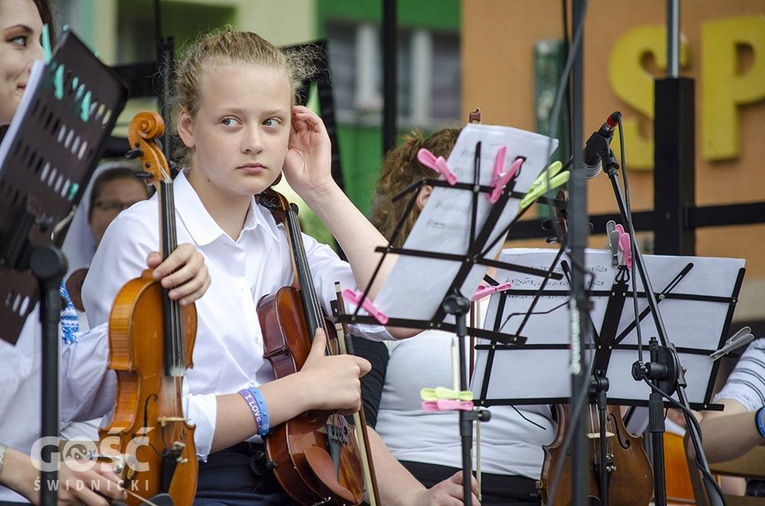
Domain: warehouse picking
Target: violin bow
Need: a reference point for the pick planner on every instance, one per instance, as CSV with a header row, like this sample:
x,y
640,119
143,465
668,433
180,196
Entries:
x,y
359,418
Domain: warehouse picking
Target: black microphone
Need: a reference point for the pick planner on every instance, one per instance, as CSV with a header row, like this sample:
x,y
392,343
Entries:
x,y
598,144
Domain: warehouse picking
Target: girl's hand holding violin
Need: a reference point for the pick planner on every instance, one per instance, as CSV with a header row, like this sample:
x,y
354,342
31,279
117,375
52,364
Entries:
x,y
183,271
332,382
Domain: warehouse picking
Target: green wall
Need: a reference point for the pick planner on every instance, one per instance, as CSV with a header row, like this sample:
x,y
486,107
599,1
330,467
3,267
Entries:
x,y
361,146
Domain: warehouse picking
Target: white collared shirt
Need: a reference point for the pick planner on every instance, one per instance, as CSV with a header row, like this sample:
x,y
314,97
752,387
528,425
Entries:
x,y
228,353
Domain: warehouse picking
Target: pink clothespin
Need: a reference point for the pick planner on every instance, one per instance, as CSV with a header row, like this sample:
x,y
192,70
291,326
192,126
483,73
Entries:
x,y
626,246
484,291
439,164
501,179
446,405
355,298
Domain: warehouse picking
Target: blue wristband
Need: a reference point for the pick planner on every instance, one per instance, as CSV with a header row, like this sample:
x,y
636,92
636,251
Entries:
x,y
258,407
759,421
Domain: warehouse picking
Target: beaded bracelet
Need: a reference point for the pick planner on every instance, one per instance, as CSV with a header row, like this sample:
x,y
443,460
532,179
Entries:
x,y
258,407
759,421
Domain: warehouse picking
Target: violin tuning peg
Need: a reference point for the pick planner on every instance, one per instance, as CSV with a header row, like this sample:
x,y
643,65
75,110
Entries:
x,y
143,174
133,154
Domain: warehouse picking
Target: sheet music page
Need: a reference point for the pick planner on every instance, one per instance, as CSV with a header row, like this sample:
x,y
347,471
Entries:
x,y
417,286
549,322
33,82
695,309
689,323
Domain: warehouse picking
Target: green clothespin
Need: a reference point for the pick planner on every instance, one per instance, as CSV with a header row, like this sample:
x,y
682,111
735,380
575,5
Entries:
x,y
434,394
553,175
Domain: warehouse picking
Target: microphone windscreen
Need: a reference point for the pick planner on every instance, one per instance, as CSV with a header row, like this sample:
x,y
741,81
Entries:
x,y
591,171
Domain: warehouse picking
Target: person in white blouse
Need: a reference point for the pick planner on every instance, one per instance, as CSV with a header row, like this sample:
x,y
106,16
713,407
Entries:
x,y
21,26
237,119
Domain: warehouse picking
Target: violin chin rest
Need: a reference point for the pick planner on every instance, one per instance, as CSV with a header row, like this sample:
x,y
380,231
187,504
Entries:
x,y
322,466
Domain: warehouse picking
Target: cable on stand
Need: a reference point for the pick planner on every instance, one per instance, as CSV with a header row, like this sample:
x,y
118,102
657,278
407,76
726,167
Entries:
x,y
664,366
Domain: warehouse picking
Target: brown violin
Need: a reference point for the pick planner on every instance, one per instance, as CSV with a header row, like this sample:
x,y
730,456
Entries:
x,y
626,475
151,339
628,472
315,456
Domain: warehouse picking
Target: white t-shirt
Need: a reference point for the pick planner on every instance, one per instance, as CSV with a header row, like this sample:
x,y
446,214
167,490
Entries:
x,y
510,444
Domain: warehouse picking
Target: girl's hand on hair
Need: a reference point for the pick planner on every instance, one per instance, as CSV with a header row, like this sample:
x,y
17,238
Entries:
x,y
183,272
308,163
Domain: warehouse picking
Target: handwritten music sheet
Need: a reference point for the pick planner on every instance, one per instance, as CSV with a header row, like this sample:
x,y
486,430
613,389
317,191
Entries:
x,y
417,286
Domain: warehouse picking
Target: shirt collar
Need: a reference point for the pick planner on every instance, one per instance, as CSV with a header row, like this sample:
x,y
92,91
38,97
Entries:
x,y
201,226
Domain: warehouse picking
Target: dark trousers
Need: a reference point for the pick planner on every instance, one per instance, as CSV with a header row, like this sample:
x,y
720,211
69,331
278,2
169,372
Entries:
x,y
495,488
235,477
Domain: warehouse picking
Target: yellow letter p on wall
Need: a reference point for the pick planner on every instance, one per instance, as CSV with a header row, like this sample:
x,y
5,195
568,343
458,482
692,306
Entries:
x,y
725,84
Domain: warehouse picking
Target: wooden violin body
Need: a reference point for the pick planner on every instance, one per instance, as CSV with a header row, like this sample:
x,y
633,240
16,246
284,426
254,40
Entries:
x,y
315,455
148,423
151,339
629,472
301,447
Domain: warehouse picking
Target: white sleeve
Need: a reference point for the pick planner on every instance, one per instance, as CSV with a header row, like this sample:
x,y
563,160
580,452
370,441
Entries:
x,y
327,269
746,384
88,387
201,410
121,256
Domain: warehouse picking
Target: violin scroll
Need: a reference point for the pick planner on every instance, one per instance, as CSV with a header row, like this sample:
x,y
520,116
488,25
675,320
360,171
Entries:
x,y
143,132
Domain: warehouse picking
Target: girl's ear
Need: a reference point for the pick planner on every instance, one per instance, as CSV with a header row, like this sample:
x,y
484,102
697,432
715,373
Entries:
x,y
185,129
423,195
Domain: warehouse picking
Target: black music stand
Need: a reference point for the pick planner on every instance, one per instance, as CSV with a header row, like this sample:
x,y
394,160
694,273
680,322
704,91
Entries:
x,y
662,371
700,293
454,241
46,159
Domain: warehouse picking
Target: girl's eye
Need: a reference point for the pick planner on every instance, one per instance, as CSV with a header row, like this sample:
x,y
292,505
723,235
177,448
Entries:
x,y
228,121
21,40
272,122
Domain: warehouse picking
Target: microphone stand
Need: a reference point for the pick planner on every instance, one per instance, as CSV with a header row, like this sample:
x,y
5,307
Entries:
x,y
663,365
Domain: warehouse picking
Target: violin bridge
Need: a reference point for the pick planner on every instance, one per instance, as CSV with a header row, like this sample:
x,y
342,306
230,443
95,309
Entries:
x,y
596,435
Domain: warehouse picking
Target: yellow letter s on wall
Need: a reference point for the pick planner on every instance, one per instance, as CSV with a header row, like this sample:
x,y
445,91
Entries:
x,y
634,84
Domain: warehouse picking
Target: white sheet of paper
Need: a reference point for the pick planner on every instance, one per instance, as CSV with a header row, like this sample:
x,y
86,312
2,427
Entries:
x,y
527,373
550,320
417,286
